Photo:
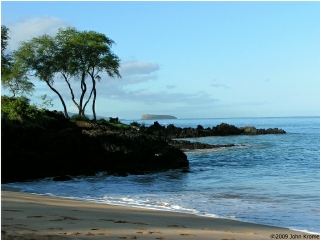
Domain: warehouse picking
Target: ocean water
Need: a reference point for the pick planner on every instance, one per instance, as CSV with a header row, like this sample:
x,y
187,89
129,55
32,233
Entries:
x,y
267,179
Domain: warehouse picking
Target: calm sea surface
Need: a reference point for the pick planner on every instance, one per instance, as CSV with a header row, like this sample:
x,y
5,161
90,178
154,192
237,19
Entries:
x,y
267,179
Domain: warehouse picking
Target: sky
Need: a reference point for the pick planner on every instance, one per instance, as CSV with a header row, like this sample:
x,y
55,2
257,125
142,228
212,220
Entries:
x,y
189,59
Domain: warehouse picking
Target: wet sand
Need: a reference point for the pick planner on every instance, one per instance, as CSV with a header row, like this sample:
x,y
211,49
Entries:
x,y
29,216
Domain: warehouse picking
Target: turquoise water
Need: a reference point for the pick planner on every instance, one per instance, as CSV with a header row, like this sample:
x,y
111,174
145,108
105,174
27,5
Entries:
x,y
267,179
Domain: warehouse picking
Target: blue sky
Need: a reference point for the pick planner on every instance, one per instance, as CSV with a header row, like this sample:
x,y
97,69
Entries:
x,y
191,59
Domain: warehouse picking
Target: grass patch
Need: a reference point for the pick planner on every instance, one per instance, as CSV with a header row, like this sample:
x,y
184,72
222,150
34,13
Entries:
x,y
114,124
80,118
120,125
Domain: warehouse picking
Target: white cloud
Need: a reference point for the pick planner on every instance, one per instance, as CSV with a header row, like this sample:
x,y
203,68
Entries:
x,y
135,67
34,27
151,97
219,86
138,79
133,72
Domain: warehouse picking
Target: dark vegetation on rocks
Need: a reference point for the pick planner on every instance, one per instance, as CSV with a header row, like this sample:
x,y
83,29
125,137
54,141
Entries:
x,y
40,143
66,147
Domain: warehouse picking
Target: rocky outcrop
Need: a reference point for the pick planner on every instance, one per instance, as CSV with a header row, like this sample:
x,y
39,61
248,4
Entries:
x,y
254,131
155,117
222,129
187,145
62,147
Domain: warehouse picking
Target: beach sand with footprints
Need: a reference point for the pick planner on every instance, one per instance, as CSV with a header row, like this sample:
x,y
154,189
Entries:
x,y
30,216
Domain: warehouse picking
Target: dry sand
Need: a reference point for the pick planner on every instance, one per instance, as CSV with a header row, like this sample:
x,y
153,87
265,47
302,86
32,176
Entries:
x,y
34,217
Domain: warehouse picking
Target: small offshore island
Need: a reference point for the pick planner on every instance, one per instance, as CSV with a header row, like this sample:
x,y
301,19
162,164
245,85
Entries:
x,y
156,117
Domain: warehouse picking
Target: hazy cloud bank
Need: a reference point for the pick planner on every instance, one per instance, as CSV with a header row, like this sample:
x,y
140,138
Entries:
x,y
34,27
133,72
152,97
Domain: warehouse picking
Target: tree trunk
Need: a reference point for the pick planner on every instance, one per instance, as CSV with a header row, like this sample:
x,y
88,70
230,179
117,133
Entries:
x,y
94,91
94,99
84,107
61,99
71,91
84,89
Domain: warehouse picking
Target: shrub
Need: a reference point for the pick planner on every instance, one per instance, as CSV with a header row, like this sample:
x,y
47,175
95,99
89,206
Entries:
x,y
17,108
101,121
80,118
114,120
135,124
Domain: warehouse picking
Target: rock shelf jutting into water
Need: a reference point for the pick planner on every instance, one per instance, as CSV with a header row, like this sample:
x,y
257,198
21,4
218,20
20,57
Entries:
x,y
63,147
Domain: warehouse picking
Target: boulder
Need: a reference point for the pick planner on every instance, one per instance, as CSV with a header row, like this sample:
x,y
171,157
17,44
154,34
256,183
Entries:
x,y
225,129
249,130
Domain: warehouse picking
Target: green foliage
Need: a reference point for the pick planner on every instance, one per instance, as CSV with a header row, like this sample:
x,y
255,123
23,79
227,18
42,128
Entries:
x,y
5,59
4,37
114,120
17,83
114,124
101,121
19,108
80,118
13,75
135,124
46,103
120,125
71,54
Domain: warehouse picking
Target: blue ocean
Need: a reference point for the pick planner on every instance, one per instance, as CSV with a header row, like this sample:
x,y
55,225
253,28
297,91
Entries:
x,y
267,179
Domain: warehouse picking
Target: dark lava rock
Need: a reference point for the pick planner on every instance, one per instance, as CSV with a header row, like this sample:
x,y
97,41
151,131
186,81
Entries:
x,y
249,130
187,145
222,129
65,147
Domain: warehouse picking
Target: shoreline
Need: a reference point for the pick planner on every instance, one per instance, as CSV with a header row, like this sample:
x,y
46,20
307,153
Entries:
x,y
39,216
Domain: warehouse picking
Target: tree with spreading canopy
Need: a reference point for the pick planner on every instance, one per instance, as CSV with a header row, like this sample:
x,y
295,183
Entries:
x,y
72,55
13,76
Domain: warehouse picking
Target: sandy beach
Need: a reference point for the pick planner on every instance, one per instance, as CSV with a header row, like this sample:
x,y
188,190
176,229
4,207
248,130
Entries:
x,y
29,216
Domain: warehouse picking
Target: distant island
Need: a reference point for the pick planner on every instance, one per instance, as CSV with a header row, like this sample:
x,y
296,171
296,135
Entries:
x,y
153,117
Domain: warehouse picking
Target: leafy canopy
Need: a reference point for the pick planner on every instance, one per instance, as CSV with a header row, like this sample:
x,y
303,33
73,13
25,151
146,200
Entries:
x,y
72,55
13,75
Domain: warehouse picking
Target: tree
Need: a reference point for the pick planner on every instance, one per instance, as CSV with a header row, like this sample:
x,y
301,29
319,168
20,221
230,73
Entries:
x,y
13,76
38,57
73,55
91,55
5,59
